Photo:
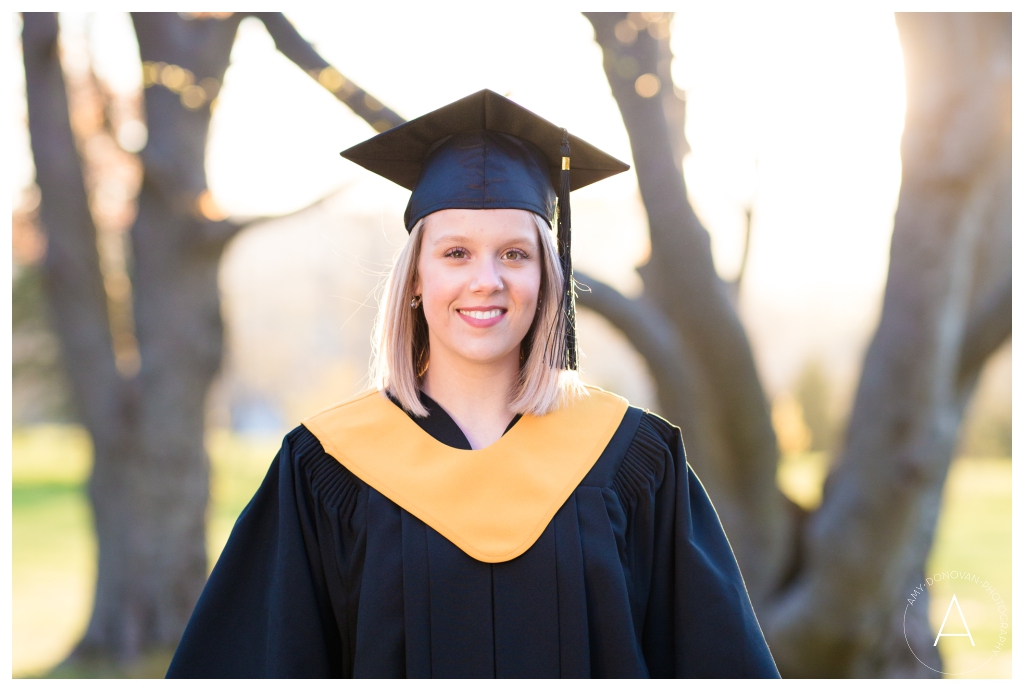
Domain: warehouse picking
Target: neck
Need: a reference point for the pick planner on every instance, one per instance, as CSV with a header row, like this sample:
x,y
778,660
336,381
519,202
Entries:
x,y
475,394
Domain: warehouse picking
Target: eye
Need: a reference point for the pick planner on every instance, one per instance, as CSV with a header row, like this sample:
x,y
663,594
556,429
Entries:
x,y
456,253
514,254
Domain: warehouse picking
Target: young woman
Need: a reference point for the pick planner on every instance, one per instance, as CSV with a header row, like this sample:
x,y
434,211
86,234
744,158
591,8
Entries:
x,y
480,513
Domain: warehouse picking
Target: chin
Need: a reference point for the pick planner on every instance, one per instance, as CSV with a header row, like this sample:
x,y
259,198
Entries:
x,y
486,353
484,357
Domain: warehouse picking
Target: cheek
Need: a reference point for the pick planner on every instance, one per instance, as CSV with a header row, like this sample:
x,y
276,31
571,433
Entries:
x,y
437,287
528,290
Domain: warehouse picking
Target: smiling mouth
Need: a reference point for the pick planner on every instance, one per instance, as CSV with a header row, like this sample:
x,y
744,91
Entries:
x,y
483,314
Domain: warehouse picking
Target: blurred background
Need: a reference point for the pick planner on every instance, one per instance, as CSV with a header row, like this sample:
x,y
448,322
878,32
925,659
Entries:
x,y
218,280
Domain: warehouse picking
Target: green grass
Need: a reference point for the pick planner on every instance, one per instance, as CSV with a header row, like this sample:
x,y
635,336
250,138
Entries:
x,y
973,534
151,665
238,465
54,548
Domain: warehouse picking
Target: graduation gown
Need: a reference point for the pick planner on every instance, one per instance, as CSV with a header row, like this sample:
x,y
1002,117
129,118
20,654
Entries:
x,y
324,575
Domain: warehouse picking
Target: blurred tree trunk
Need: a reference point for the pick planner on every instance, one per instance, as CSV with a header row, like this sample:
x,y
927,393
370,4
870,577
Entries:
x,y
149,484
946,309
150,481
829,589
718,400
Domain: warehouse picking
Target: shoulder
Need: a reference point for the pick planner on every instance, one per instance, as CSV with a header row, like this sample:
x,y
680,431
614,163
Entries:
x,y
656,434
326,478
654,452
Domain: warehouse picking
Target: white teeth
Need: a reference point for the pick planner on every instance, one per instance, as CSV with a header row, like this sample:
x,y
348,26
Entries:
x,y
476,314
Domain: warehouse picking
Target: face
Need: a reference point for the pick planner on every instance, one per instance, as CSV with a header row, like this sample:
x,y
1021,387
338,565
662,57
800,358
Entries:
x,y
479,275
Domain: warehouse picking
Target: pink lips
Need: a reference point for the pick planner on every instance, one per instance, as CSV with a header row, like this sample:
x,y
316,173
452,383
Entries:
x,y
482,322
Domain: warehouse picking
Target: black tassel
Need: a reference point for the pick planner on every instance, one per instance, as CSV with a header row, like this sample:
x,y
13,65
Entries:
x,y
565,254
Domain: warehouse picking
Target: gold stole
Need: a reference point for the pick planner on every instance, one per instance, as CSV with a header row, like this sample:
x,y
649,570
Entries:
x,y
492,503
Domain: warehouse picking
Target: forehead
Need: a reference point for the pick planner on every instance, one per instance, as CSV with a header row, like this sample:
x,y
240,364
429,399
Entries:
x,y
483,225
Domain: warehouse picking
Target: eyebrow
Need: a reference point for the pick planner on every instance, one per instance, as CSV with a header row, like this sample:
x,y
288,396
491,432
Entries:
x,y
451,237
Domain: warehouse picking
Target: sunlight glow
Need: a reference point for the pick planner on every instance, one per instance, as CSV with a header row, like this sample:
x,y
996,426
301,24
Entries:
x,y
796,117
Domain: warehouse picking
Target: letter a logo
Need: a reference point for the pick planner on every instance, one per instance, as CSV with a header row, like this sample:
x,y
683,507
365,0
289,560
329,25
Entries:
x,y
966,628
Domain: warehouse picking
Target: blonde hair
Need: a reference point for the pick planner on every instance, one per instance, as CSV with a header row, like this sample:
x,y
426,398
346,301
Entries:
x,y
401,346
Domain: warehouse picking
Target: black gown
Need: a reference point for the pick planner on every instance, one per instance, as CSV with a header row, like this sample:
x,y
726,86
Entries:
x,y
325,577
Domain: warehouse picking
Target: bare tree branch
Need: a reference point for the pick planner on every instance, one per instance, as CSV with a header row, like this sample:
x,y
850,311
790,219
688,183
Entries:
x,y
989,314
650,332
673,367
73,278
673,99
215,233
735,284
680,275
297,49
986,329
734,423
873,532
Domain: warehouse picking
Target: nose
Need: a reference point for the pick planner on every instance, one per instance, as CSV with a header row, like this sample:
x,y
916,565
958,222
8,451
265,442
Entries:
x,y
486,277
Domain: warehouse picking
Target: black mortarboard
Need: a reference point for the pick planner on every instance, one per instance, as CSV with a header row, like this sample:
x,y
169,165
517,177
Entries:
x,y
486,152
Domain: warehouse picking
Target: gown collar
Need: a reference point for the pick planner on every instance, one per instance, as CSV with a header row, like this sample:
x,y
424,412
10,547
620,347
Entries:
x,y
441,426
492,503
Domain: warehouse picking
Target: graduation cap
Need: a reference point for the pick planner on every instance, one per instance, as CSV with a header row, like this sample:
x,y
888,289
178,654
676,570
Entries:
x,y
486,152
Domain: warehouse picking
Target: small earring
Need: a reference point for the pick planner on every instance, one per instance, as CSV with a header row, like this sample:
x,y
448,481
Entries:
x,y
415,302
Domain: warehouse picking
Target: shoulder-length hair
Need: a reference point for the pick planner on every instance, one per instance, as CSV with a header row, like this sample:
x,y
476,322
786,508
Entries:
x,y
401,347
